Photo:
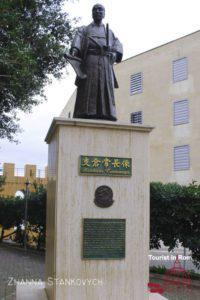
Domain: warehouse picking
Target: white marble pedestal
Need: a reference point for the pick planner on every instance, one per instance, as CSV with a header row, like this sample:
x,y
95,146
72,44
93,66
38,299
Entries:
x,y
71,200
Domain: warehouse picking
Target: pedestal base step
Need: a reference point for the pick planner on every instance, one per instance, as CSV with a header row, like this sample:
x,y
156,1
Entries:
x,y
31,291
154,296
36,291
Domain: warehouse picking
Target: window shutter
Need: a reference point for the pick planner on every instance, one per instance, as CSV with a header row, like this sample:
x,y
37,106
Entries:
x,y
181,112
136,117
136,83
180,69
181,158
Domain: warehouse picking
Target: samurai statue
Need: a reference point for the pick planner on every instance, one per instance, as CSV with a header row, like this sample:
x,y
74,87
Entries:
x,y
93,52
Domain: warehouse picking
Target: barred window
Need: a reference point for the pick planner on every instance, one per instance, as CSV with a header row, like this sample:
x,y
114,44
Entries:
x,y
136,83
180,69
136,117
181,158
181,112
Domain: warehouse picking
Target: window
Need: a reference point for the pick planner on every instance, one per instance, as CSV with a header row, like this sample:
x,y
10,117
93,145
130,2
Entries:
x,y
181,158
136,117
180,69
181,112
136,83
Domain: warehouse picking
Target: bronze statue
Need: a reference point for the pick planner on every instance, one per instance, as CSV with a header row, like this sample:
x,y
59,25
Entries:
x,y
93,52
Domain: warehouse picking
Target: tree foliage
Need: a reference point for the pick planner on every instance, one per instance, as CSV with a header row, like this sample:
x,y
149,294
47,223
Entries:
x,y
175,217
12,211
34,35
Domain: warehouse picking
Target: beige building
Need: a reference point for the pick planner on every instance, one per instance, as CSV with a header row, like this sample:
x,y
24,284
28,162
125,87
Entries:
x,y
15,178
160,87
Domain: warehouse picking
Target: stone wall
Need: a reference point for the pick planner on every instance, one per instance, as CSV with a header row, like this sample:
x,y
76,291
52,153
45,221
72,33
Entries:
x,y
14,182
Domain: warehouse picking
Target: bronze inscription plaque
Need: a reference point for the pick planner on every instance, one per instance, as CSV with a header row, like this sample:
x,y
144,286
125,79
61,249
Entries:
x,y
104,238
105,166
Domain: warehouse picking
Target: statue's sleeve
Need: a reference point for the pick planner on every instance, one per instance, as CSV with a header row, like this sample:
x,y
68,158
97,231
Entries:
x,y
77,42
118,48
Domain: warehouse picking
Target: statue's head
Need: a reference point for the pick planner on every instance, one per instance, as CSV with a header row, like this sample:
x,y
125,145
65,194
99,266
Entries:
x,y
98,12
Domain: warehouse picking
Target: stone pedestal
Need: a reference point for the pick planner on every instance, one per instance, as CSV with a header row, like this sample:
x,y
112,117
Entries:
x,y
69,275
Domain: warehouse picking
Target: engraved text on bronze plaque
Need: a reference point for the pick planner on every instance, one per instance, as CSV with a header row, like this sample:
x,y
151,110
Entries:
x,y
104,238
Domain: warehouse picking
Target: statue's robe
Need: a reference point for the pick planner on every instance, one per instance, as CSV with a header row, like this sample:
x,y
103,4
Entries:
x,y
95,94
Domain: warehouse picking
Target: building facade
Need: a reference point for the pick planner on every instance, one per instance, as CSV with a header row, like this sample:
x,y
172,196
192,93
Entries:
x,y
15,178
160,87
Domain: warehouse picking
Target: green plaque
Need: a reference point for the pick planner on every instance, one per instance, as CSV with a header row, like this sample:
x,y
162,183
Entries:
x,y
104,238
105,166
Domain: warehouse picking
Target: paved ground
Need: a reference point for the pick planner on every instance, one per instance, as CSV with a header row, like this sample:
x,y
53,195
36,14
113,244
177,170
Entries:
x,y
162,257
16,265
178,293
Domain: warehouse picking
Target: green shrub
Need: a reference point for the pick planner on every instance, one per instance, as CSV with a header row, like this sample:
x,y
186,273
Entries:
x,y
12,211
175,217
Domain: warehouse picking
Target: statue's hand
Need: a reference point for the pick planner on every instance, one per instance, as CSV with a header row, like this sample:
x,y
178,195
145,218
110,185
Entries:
x,y
107,48
74,52
112,57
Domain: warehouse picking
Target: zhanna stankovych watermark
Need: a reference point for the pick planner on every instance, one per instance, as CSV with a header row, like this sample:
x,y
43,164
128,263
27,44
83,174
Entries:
x,y
57,281
170,257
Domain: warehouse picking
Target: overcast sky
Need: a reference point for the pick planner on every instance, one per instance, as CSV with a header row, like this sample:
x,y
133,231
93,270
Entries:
x,y
140,26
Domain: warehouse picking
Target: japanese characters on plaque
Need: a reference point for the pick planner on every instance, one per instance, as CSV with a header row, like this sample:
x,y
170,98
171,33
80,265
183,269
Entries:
x,y
105,166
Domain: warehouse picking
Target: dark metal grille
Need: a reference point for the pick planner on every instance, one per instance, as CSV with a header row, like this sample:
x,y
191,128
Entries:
x,y
136,83
181,112
180,69
181,158
136,117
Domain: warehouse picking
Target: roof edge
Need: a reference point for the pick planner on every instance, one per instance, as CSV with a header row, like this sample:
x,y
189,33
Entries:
x,y
172,41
